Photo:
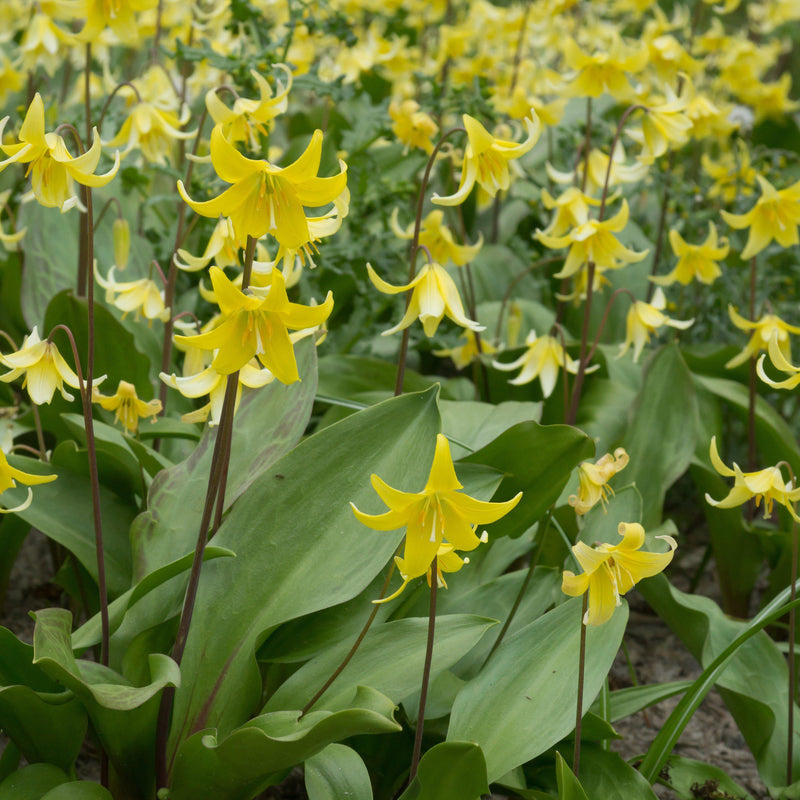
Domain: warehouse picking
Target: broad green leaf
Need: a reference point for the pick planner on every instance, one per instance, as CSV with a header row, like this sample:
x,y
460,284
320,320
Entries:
x,y
603,412
390,659
10,759
244,763
661,435
31,782
748,669
536,460
62,510
294,529
353,377
78,790
123,715
268,423
605,776
684,773
569,787
524,700
449,771
626,702
337,773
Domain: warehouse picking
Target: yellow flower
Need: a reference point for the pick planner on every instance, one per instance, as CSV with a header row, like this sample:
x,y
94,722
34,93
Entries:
x,y
52,169
115,14
9,240
572,210
621,172
766,484
486,159
543,358
127,406
763,330
611,570
223,248
44,369
141,297
435,295
594,241
664,124
438,238
267,199
604,71
240,123
255,324
414,128
643,319
732,174
695,261
466,353
593,480
10,475
775,215
438,515
779,360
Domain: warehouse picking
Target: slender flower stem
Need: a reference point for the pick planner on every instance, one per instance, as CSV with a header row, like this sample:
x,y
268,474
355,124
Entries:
x,y
110,97
401,362
662,220
576,761
37,421
352,651
511,286
587,143
604,319
518,50
426,673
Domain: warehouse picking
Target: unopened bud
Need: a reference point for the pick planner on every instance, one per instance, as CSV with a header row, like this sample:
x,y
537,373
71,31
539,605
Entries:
x,y
122,242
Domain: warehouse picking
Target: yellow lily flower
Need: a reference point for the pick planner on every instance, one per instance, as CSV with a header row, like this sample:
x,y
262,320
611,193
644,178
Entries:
x,y
438,238
604,71
594,241
664,124
621,172
127,406
222,248
440,515
10,475
763,330
571,207
486,159
695,261
543,358
255,324
44,369
643,319
593,480
732,174
115,14
468,352
779,360
766,484
267,199
435,295
52,169
141,297
414,128
611,570
775,215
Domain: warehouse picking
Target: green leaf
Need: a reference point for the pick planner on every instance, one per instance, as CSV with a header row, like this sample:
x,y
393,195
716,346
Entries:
x,y
449,771
569,787
62,510
536,460
31,782
78,790
686,773
524,700
661,436
357,377
337,773
605,776
390,659
294,529
123,715
244,763
626,702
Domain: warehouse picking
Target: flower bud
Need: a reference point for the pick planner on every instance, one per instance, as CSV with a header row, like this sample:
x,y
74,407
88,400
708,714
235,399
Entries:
x,y
122,242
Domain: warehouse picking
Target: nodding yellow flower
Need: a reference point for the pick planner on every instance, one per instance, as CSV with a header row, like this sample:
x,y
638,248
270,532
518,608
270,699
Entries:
x,y
115,14
764,329
611,570
781,362
621,172
438,238
775,215
222,248
248,117
643,319
8,480
594,241
604,71
44,369
732,174
465,354
414,128
435,295
255,325
266,199
571,207
127,406
664,124
486,159
543,358
142,296
438,520
52,169
593,481
695,261
766,484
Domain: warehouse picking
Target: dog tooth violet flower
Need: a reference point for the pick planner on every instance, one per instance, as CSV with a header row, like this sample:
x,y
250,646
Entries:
x,y
414,128
141,296
255,324
435,295
763,331
440,516
10,475
611,570
486,159
695,261
127,406
438,238
465,354
766,484
267,199
593,480
779,361
775,215
643,319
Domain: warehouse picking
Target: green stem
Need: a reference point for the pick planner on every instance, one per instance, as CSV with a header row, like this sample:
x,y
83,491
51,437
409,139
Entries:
x,y
576,761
